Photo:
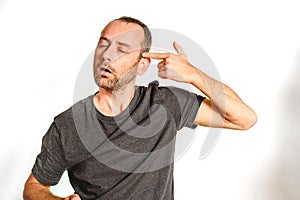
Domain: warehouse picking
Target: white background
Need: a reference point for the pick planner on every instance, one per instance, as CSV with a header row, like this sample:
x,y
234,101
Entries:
x,y
254,44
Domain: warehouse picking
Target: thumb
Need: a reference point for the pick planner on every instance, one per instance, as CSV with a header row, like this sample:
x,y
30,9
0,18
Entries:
x,y
179,50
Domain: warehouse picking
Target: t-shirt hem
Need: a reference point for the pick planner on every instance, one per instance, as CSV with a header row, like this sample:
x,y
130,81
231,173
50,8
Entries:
x,y
194,112
43,180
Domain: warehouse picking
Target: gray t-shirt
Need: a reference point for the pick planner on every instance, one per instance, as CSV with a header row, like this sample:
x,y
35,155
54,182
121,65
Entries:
x,y
128,156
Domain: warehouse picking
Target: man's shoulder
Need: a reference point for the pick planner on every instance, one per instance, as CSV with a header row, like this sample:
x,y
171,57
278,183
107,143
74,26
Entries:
x,y
156,86
166,90
68,114
161,87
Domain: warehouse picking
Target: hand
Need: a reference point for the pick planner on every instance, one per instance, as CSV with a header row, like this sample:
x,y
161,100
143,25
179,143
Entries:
x,y
173,66
73,197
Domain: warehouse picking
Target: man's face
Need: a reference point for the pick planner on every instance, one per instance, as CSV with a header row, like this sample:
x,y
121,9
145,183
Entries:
x,y
117,55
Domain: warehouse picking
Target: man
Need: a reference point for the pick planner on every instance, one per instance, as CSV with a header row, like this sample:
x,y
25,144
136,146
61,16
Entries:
x,y
119,142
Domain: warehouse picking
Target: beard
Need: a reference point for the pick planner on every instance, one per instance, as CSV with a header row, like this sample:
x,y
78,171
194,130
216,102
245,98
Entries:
x,y
116,82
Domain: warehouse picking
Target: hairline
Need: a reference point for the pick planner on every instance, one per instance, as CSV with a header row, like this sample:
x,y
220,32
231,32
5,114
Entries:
x,y
146,43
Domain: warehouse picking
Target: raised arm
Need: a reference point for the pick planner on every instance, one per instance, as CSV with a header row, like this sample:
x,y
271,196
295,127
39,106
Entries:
x,y
34,190
223,108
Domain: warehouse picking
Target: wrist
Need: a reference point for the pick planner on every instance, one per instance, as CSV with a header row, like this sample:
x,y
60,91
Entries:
x,y
196,78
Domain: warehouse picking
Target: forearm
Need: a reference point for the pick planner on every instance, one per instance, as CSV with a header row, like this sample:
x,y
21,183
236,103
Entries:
x,y
223,108
227,103
35,191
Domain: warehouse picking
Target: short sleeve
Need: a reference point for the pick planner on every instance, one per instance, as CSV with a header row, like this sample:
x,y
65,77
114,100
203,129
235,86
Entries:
x,y
50,163
184,105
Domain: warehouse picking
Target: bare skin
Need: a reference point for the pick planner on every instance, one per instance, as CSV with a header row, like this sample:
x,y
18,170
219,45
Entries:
x,y
35,190
119,51
223,108
118,61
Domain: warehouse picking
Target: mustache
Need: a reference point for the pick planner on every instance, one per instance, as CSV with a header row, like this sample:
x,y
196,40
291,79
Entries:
x,y
105,66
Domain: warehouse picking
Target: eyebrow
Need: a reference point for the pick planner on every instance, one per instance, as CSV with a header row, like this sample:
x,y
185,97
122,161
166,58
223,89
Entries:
x,y
123,44
118,42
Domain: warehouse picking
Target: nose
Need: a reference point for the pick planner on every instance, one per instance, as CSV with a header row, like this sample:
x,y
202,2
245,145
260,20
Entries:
x,y
109,54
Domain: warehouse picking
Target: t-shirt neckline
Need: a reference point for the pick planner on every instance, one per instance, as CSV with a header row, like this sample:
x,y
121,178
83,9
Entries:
x,y
127,111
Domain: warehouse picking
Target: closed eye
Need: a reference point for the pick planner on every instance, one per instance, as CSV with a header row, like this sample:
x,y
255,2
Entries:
x,y
122,50
102,45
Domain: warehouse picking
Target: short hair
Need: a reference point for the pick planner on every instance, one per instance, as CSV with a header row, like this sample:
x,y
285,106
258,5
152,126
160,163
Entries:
x,y
146,44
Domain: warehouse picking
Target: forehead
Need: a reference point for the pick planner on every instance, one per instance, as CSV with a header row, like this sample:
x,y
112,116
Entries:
x,y
120,31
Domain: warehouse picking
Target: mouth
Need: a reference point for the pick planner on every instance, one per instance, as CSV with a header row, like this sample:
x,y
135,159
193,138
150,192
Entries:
x,y
103,69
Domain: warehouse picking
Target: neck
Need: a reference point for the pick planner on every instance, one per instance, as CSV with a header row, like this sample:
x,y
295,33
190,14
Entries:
x,y
112,103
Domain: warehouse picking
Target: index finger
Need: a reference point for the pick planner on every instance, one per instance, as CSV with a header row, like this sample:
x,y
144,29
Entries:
x,y
155,55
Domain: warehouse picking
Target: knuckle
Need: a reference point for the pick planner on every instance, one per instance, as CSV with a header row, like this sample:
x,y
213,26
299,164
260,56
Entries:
x,y
162,75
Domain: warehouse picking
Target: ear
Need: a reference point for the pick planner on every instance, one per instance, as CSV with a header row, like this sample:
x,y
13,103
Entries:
x,y
143,66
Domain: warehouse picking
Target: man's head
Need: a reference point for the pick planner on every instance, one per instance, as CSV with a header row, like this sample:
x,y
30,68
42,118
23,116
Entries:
x,y
118,57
